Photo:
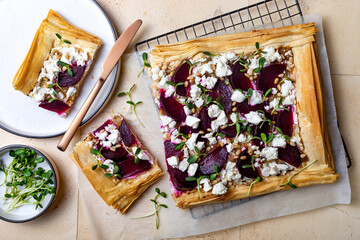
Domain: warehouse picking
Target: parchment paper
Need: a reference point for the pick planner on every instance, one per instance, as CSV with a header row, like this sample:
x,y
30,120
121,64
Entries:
x,y
105,224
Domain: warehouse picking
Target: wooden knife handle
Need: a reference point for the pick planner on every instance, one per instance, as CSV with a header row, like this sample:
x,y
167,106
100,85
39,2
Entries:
x,y
80,116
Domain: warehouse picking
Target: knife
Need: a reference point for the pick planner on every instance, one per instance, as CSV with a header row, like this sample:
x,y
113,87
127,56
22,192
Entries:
x,y
112,58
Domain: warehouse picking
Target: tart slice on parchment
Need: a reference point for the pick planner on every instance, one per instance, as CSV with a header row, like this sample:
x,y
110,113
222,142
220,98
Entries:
x,y
242,114
59,58
116,164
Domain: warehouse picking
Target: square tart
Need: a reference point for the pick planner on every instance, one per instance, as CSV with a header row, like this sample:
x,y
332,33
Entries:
x,y
41,69
210,117
119,147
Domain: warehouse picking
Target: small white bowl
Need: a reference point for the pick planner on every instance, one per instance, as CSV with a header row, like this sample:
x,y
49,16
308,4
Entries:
x,y
26,212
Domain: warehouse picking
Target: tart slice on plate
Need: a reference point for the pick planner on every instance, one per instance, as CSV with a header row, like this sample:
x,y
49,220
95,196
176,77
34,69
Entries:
x,y
116,164
242,114
59,58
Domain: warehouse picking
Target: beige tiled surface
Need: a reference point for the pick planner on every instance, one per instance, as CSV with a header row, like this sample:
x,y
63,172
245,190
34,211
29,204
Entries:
x,y
66,219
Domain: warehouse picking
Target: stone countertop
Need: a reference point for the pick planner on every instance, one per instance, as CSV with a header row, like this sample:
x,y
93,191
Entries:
x,y
341,21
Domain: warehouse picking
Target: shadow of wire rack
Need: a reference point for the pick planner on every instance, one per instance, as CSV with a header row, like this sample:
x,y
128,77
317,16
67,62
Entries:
x,y
262,12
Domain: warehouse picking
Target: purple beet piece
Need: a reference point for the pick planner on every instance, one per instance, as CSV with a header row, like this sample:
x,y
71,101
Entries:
x,y
178,179
180,75
55,106
170,149
217,157
290,154
65,80
267,76
187,129
223,91
103,126
172,108
205,119
128,167
248,171
265,128
116,156
285,121
126,134
244,107
238,80
229,131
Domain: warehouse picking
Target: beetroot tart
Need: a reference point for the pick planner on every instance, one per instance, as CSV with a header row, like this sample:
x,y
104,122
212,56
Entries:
x,y
59,58
116,164
242,114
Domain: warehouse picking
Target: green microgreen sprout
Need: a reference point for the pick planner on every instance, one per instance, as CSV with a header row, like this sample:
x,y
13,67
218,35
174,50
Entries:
x,y
54,97
195,157
266,94
135,154
242,62
217,102
209,54
265,120
189,105
266,139
62,40
281,133
182,135
279,106
296,173
204,90
179,145
257,45
249,94
156,207
218,133
214,175
56,83
239,127
192,65
286,78
261,64
175,85
198,179
24,181
98,164
68,69
251,134
146,64
252,164
258,179
132,103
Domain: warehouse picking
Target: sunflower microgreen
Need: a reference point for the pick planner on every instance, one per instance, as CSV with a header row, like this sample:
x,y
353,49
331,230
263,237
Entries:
x,y
296,173
252,164
132,103
62,40
56,83
195,157
68,69
266,94
261,64
146,64
192,65
279,106
197,179
281,133
258,179
249,94
214,175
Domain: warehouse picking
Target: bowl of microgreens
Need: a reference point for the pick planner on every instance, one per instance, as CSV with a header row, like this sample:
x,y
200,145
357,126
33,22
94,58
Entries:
x,y
28,183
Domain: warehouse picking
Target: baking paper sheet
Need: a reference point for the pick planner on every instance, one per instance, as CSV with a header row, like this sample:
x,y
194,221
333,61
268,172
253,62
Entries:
x,y
174,222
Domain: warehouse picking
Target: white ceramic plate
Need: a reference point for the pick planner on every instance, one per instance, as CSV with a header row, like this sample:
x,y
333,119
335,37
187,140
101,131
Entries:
x,y
26,212
19,20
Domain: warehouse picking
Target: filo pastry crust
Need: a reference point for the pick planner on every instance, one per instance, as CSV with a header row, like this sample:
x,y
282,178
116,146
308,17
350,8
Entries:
x,y
309,105
121,194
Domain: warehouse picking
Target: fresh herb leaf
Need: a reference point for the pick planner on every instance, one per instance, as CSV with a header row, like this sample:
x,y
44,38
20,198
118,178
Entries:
x,y
258,179
198,179
131,103
179,146
266,94
192,65
249,94
296,173
146,64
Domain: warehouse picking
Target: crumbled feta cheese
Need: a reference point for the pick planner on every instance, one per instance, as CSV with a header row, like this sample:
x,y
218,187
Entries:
x,y
254,117
254,63
233,117
274,103
175,139
143,156
209,136
286,88
165,120
187,110
214,111
192,169
70,92
241,138
231,173
106,144
195,91
155,76
229,147
256,98
206,184
198,103
238,96
274,91
202,69
110,164
219,189
170,91
192,121
289,100
271,55
191,142
183,165
186,152
269,153
173,161
273,169
210,82
200,145
230,56
101,136
39,93
90,143
278,141
114,136
222,69
267,108
163,82
219,121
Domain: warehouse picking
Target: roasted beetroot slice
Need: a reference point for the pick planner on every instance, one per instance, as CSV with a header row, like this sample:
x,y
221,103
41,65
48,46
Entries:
x,y
229,131
55,106
265,128
170,150
187,129
126,134
238,80
116,156
267,76
65,80
223,91
172,108
285,122
178,179
248,171
128,167
181,75
217,157
205,119
290,154
244,107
